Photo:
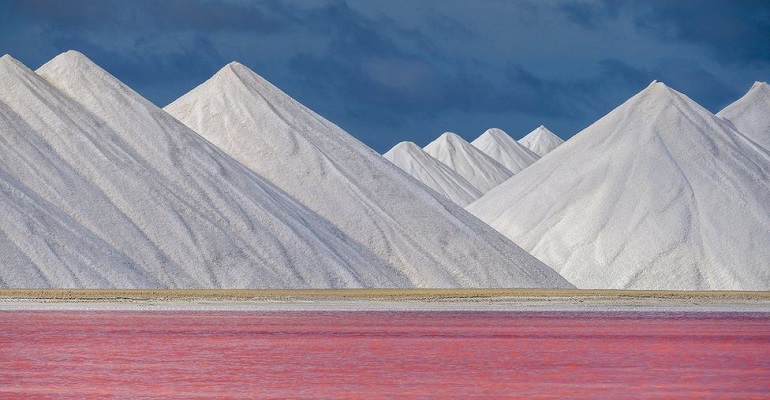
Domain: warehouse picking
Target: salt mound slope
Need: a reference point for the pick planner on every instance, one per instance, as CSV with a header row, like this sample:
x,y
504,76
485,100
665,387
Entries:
x,y
432,241
432,173
658,194
481,170
185,214
35,233
541,141
503,149
751,114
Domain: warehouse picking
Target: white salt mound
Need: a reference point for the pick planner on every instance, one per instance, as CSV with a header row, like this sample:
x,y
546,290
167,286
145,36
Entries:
x,y
658,194
432,173
502,148
751,114
481,170
428,240
164,207
541,141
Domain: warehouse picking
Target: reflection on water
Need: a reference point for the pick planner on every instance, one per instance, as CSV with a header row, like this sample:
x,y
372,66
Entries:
x,y
301,354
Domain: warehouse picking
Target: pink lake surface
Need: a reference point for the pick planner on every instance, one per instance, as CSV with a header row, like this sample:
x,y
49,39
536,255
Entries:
x,y
353,354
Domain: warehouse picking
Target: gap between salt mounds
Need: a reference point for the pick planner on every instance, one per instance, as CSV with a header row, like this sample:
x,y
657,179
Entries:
x,y
502,148
751,114
479,169
432,173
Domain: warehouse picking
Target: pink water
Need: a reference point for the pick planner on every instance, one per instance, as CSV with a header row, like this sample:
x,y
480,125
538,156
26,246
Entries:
x,y
298,354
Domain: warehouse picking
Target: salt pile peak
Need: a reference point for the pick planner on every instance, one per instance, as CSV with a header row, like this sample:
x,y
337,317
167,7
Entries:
x,y
183,213
541,141
481,170
502,148
429,240
658,194
433,173
751,114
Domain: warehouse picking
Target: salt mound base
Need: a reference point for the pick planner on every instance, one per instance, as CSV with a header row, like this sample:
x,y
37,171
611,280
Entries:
x,y
658,194
481,170
432,173
541,141
751,114
137,200
503,149
430,241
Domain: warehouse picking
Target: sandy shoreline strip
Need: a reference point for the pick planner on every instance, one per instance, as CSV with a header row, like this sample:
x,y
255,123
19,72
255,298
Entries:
x,y
367,294
385,299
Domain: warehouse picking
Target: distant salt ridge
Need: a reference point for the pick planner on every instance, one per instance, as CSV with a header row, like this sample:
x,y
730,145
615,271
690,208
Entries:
x,y
481,170
430,241
658,194
541,141
433,173
751,114
502,148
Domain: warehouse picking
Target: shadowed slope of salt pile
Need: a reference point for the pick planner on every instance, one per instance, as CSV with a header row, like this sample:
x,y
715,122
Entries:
x,y
187,215
751,114
481,170
541,141
428,239
35,233
658,194
503,149
432,173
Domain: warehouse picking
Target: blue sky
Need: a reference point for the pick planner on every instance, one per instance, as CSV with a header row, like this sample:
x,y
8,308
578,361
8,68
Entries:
x,y
393,70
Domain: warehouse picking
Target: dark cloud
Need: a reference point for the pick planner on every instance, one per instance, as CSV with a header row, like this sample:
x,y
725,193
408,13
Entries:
x,y
736,33
202,16
616,69
445,25
591,14
368,68
390,70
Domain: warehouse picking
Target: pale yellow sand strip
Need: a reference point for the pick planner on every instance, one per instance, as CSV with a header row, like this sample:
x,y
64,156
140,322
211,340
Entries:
x,y
367,294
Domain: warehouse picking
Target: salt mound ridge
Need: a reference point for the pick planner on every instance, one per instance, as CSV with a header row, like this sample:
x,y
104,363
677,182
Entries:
x,y
541,141
432,173
503,149
161,206
658,194
479,169
751,114
428,240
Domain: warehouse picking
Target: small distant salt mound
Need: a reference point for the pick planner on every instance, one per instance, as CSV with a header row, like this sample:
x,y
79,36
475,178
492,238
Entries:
x,y
503,149
658,194
433,173
542,141
751,114
481,170
428,240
